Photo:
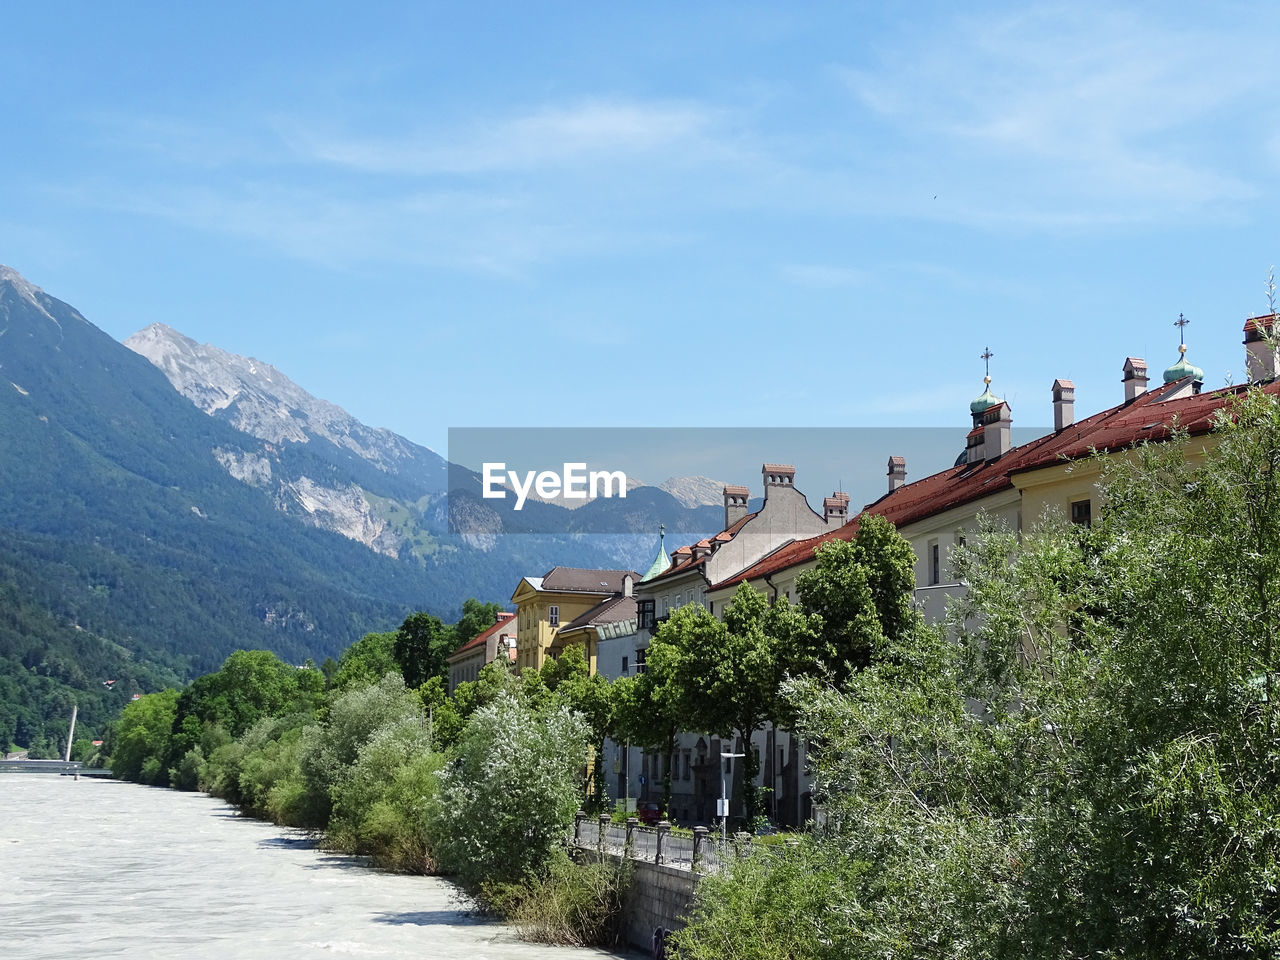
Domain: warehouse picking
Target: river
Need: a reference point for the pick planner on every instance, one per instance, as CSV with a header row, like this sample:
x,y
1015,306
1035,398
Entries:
x,y
97,868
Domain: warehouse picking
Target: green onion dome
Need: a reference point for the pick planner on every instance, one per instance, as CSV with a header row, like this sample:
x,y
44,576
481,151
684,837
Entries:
x,y
986,401
1182,369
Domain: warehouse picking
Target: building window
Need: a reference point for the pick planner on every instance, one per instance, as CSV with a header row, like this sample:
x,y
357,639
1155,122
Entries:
x,y
625,665
640,657
1082,512
935,563
688,764
644,614
553,615
711,607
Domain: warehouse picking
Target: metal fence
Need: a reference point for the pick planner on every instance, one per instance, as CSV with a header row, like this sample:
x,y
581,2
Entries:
x,y
702,851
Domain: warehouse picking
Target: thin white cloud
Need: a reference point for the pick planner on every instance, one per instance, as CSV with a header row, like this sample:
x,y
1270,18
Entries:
x,y
822,275
1078,113
550,136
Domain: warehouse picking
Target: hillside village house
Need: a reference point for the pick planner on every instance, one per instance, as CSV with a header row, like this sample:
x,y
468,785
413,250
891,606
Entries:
x,y
770,548
493,643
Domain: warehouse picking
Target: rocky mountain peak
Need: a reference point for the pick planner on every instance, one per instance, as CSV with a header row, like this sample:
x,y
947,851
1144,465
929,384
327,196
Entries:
x,y
694,491
260,400
24,288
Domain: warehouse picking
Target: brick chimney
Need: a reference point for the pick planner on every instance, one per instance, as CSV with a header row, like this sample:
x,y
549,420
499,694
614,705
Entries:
x,y
1261,351
997,424
835,509
1135,377
1064,404
735,504
897,472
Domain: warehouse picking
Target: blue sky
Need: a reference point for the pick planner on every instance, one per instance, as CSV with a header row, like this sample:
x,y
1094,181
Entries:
x,y
663,215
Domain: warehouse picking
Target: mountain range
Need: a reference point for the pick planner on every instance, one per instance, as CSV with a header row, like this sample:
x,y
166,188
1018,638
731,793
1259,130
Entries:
x,y
166,502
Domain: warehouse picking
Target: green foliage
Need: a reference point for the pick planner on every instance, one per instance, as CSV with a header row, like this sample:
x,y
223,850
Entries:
x,y
858,594
367,660
252,685
724,676
141,738
422,647
574,903
569,680
796,903
509,797
476,618
380,804
354,717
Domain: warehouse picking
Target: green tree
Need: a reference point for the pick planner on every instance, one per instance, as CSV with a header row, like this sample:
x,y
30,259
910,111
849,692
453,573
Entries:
x,y
140,739
725,676
422,647
251,684
858,594
367,660
509,798
476,617
570,681
647,712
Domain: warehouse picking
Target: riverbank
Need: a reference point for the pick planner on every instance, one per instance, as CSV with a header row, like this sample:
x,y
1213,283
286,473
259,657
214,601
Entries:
x,y
105,869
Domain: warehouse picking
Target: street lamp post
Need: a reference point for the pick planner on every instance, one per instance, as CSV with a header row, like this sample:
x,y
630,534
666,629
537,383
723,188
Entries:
x,y
724,796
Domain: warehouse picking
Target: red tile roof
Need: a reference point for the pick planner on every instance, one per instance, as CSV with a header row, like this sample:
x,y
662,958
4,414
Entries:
x,y
1147,417
1265,322
504,619
682,559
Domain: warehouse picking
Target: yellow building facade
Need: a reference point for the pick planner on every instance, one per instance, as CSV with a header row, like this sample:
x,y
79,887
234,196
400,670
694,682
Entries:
x,y
547,606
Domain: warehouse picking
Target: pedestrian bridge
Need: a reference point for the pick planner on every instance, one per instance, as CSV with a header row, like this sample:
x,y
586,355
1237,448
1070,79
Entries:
x,y
63,767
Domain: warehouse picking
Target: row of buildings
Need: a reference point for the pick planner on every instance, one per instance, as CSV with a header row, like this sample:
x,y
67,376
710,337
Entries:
x,y
613,614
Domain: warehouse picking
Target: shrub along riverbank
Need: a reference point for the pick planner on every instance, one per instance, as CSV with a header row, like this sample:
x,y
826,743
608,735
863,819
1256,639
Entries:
x,y
481,786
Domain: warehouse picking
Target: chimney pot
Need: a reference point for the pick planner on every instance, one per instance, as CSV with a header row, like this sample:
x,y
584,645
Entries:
x,y
778,475
897,472
1064,404
835,508
1261,356
1135,378
735,504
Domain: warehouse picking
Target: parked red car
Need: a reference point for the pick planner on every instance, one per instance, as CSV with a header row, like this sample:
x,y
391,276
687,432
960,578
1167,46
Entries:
x,y
649,813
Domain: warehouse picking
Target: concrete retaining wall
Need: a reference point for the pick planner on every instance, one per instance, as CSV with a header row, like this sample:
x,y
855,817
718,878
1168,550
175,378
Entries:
x,y
658,896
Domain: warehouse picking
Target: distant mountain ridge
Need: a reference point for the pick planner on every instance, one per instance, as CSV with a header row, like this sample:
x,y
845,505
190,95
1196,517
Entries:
x,y
388,493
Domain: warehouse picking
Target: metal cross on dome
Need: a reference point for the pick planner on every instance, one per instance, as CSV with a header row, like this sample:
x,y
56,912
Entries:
x,y
1181,324
986,356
